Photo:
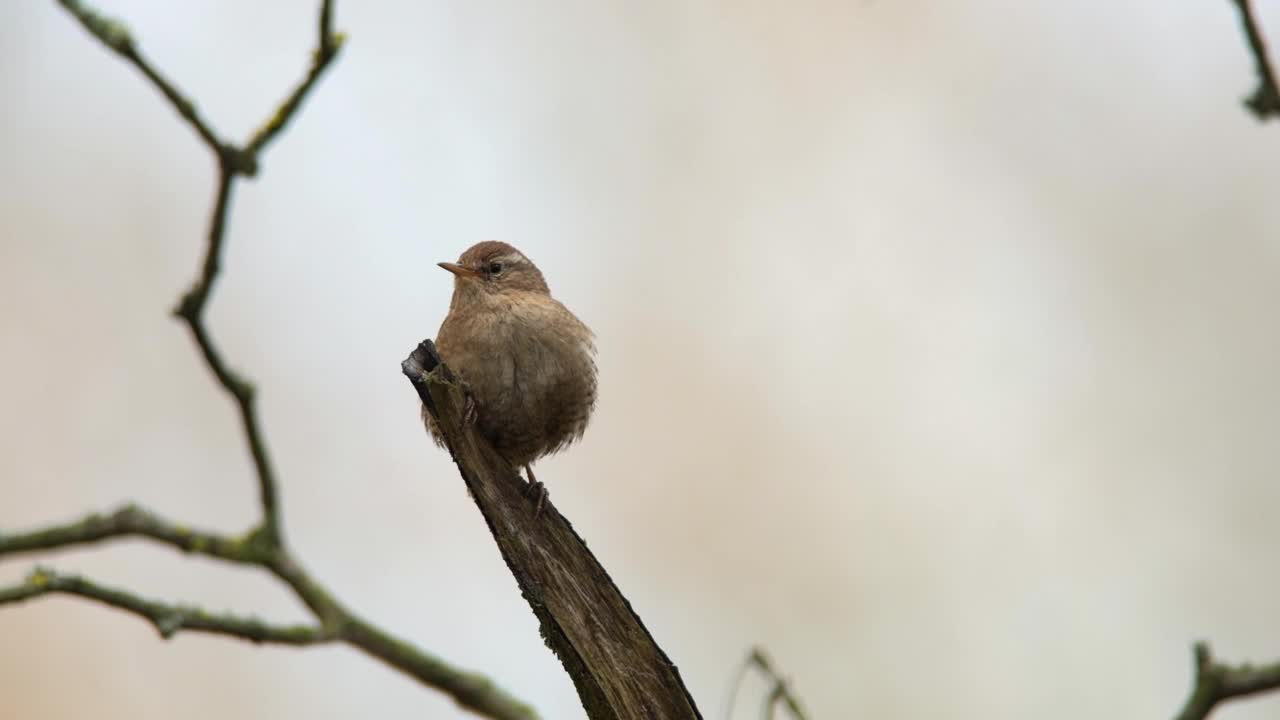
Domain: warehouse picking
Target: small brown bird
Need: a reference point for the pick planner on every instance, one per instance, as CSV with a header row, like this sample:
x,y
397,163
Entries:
x,y
528,364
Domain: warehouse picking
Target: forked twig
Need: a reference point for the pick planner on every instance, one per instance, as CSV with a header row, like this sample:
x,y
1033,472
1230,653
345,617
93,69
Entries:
x,y
779,690
1216,682
264,545
1265,99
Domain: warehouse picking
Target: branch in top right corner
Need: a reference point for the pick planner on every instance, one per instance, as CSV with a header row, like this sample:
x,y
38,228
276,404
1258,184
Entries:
x,y
1265,100
1217,682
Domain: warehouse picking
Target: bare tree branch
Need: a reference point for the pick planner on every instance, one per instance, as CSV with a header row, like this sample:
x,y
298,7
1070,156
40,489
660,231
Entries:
x,y
470,690
167,619
264,545
327,49
232,161
779,692
132,520
1265,100
337,623
1217,682
620,672
117,37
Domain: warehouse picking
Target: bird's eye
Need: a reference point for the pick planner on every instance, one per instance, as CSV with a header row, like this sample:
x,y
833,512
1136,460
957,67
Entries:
x,y
495,268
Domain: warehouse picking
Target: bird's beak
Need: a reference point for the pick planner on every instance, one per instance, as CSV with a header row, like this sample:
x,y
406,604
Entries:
x,y
460,271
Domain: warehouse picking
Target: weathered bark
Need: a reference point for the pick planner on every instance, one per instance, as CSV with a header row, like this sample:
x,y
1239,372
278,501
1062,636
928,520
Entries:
x,y
619,671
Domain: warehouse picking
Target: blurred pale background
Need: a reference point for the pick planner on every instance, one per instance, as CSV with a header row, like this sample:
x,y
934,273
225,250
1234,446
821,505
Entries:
x,y
938,343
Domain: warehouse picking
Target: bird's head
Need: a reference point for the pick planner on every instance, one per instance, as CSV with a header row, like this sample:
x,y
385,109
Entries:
x,y
495,267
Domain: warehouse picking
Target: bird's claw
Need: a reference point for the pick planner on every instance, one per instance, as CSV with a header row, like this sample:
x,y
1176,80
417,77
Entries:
x,y
538,492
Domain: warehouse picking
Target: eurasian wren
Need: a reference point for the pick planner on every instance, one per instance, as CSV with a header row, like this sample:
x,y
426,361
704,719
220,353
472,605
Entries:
x,y
527,363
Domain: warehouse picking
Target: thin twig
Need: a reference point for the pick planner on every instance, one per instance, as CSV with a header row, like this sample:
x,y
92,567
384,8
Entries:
x,y
770,705
167,619
779,693
232,162
1265,100
134,521
116,35
337,623
191,309
1217,682
264,545
326,50
736,686
327,39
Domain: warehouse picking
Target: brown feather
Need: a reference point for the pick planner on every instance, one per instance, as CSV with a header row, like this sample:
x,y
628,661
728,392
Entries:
x,y
526,360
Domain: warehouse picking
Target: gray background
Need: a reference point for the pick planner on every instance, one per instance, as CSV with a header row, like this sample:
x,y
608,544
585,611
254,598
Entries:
x,y
938,343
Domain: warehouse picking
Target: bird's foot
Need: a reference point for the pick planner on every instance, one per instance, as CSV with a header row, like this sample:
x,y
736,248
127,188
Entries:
x,y
539,493
535,490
